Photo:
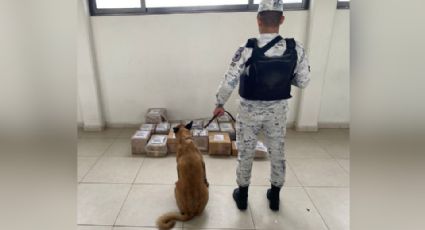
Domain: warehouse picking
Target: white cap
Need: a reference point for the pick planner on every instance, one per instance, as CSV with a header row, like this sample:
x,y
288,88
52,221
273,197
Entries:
x,y
271,5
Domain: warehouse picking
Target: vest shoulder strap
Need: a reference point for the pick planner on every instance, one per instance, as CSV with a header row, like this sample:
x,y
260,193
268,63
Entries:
x,y
290,43
251,43
270,44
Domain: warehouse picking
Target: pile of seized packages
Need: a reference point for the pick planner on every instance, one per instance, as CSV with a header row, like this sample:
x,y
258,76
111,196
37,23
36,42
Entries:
x,y
156,137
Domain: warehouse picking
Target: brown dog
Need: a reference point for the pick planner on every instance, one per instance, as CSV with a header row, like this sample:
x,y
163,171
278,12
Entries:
x,y
191,190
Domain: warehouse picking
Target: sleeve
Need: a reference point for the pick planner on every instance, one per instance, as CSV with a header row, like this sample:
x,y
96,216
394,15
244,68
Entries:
x,y
231,77
302,70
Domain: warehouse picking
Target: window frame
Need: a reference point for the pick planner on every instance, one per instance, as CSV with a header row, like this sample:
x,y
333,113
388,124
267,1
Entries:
x,y
249,7
343,5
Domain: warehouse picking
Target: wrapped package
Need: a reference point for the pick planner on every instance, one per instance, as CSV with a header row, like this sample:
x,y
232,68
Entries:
x,y
157,146
175,124
219,144
198,124
260,150
148,127
227,127
162,128
213,126
156,115
224,118
172,142
139,140
234,149
200,137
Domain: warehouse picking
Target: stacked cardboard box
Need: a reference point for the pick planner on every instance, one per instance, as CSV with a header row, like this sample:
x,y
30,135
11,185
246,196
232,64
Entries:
x,y
227,127
224,118
200,137
172,142
162,128
260,150
219,144
157,146
156,115
139,140
147,127
213,126
234,149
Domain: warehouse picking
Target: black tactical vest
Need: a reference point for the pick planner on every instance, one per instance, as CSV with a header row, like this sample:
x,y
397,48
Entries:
x,y
268,78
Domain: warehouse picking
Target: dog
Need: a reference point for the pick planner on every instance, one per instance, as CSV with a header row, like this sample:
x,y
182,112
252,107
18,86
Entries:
x,y
191,189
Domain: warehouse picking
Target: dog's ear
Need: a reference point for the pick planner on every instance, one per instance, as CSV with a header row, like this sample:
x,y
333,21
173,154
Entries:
x,y
189,126
176,129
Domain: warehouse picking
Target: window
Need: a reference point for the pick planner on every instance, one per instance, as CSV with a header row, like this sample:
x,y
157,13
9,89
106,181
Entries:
x,y
343,4
124,7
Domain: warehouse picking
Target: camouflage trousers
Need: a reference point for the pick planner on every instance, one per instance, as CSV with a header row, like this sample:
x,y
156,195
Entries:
x,y
270,118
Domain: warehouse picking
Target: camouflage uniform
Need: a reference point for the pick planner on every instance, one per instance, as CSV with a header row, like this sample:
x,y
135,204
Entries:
x,y
254,116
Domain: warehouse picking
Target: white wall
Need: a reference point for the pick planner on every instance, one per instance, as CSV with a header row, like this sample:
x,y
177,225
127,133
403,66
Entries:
x,y
177,61
335,106
174,61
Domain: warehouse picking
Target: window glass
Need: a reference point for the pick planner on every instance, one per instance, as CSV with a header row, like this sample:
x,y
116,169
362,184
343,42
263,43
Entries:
x,y
179,3
110,4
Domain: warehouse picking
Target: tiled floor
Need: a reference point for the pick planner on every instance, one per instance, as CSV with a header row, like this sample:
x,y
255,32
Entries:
x,y
118,191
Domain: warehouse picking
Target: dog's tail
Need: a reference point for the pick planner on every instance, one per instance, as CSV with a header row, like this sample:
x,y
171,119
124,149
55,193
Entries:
x,y
168,220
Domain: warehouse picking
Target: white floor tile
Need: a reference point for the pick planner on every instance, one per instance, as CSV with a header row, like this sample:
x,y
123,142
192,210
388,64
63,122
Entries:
x,y
145,204
127,133
304,148
319,172
137,228
114,170
221,170
94,227
99,204
296,211
84,165
345,163
107,133
338,148
333,205
260,174
120,148
158,171
221,212
93,147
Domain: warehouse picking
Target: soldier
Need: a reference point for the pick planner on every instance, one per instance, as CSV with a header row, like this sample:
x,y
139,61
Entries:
x,y
265,68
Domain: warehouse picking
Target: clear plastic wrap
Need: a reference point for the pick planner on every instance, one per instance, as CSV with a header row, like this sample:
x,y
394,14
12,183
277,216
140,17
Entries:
x,y
148,127
227,127
200,137
157,146
260,150
172,142
162,128
156,115
213,126
139,141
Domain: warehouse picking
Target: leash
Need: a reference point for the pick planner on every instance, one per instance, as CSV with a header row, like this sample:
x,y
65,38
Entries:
x,y
215,116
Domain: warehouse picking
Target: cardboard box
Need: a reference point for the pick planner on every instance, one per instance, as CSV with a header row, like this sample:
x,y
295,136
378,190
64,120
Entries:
x,y
157,146
219,144
139,141
162,128
200,137
148,127
213,126
224,118
260,150
172,142
156,115
227,127
234,149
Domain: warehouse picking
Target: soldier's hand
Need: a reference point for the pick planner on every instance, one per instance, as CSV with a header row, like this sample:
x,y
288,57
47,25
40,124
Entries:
x,y
218,111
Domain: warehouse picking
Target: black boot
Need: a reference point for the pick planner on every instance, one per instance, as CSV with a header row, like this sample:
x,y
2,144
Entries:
x,y
273,196
240,195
